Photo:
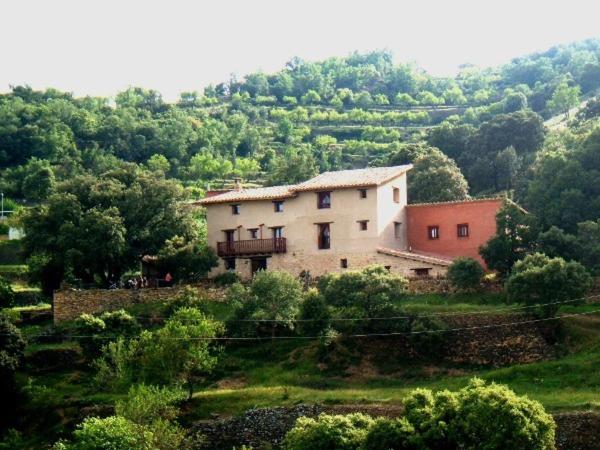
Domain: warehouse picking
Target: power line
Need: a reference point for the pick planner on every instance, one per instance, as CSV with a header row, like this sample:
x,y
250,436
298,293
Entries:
x,y
399,333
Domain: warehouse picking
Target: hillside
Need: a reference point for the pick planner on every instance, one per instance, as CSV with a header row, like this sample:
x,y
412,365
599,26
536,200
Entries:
x,y
350,112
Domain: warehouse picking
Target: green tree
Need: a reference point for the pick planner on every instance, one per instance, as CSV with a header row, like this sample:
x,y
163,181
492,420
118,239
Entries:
x,y
465,273
12,346
540,280
272,297
564,98
436,178
368,293
563,190
186,261
181,351
297,164
7,296
158,163
516,231
96,228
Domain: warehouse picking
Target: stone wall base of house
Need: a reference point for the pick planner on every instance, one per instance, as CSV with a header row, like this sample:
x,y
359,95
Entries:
x,y
320,264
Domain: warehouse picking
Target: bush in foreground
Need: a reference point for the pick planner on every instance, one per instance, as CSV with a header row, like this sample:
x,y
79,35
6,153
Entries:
x,y
328,432
478,416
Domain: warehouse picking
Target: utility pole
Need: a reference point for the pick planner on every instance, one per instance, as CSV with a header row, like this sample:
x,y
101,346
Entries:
x,y
2,209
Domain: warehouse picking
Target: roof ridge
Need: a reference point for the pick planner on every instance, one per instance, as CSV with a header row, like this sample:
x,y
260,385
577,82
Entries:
x,y
440,260
466,200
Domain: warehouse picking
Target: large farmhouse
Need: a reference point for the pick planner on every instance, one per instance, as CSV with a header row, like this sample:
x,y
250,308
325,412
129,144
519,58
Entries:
x,y
343,220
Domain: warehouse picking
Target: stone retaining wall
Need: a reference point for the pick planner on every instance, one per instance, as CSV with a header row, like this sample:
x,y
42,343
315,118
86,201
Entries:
x,y
68,304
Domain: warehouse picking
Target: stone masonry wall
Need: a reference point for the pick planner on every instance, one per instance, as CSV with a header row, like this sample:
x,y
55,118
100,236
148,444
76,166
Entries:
x,y
68,304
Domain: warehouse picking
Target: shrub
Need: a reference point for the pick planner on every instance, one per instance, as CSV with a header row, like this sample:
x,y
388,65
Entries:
x,y
144,404
7,296
188,298
493,416
142,421
315,316
226,279
113,432
540,280
368,293
120,322
328,432
429,337
272,297
177,353
11,357
89,328
395,434
465,273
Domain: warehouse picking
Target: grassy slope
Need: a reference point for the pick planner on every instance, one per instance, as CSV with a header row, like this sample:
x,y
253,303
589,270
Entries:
x,y
284,373
288,372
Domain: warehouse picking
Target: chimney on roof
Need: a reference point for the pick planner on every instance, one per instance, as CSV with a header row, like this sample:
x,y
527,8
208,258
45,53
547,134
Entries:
x,y
237,183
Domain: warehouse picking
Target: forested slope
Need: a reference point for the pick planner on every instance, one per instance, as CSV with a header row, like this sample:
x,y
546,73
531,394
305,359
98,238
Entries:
x,y
310,117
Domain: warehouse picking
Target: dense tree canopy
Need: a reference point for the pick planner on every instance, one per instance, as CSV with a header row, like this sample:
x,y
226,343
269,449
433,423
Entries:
x,y
95,228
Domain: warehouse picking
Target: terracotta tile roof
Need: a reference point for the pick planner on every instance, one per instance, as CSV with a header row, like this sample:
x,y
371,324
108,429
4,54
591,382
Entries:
x,y
327,180
437,260
350,178
263,193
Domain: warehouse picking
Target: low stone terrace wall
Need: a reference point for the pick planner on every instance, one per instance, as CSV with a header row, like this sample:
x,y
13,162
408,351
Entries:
x,y
68,303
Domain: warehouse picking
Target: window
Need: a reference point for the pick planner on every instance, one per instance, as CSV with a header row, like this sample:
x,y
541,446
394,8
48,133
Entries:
x,y
396,195
229,235
344,263
235,209
462,230
278,206
277,232
253,233
397,230
362,225
422,272
229,263
433,232
362,193
323,200
324,236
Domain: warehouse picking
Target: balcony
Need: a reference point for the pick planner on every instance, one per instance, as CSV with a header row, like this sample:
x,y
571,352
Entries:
x,y
251,247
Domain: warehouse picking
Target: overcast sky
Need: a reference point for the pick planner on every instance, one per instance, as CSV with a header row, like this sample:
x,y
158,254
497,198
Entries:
x,y
100,47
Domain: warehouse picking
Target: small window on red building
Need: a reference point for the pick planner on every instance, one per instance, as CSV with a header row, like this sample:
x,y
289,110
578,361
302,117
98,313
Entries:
x,y
462,230
362,193
253,233
363,225
278,206
396,195
344,263
235,209
323,200
433,232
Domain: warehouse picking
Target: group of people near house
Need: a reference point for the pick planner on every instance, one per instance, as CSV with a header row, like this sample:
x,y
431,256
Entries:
x,y
141,282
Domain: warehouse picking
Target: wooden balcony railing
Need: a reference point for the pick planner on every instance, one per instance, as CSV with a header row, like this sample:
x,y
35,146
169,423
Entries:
x,y
251,247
